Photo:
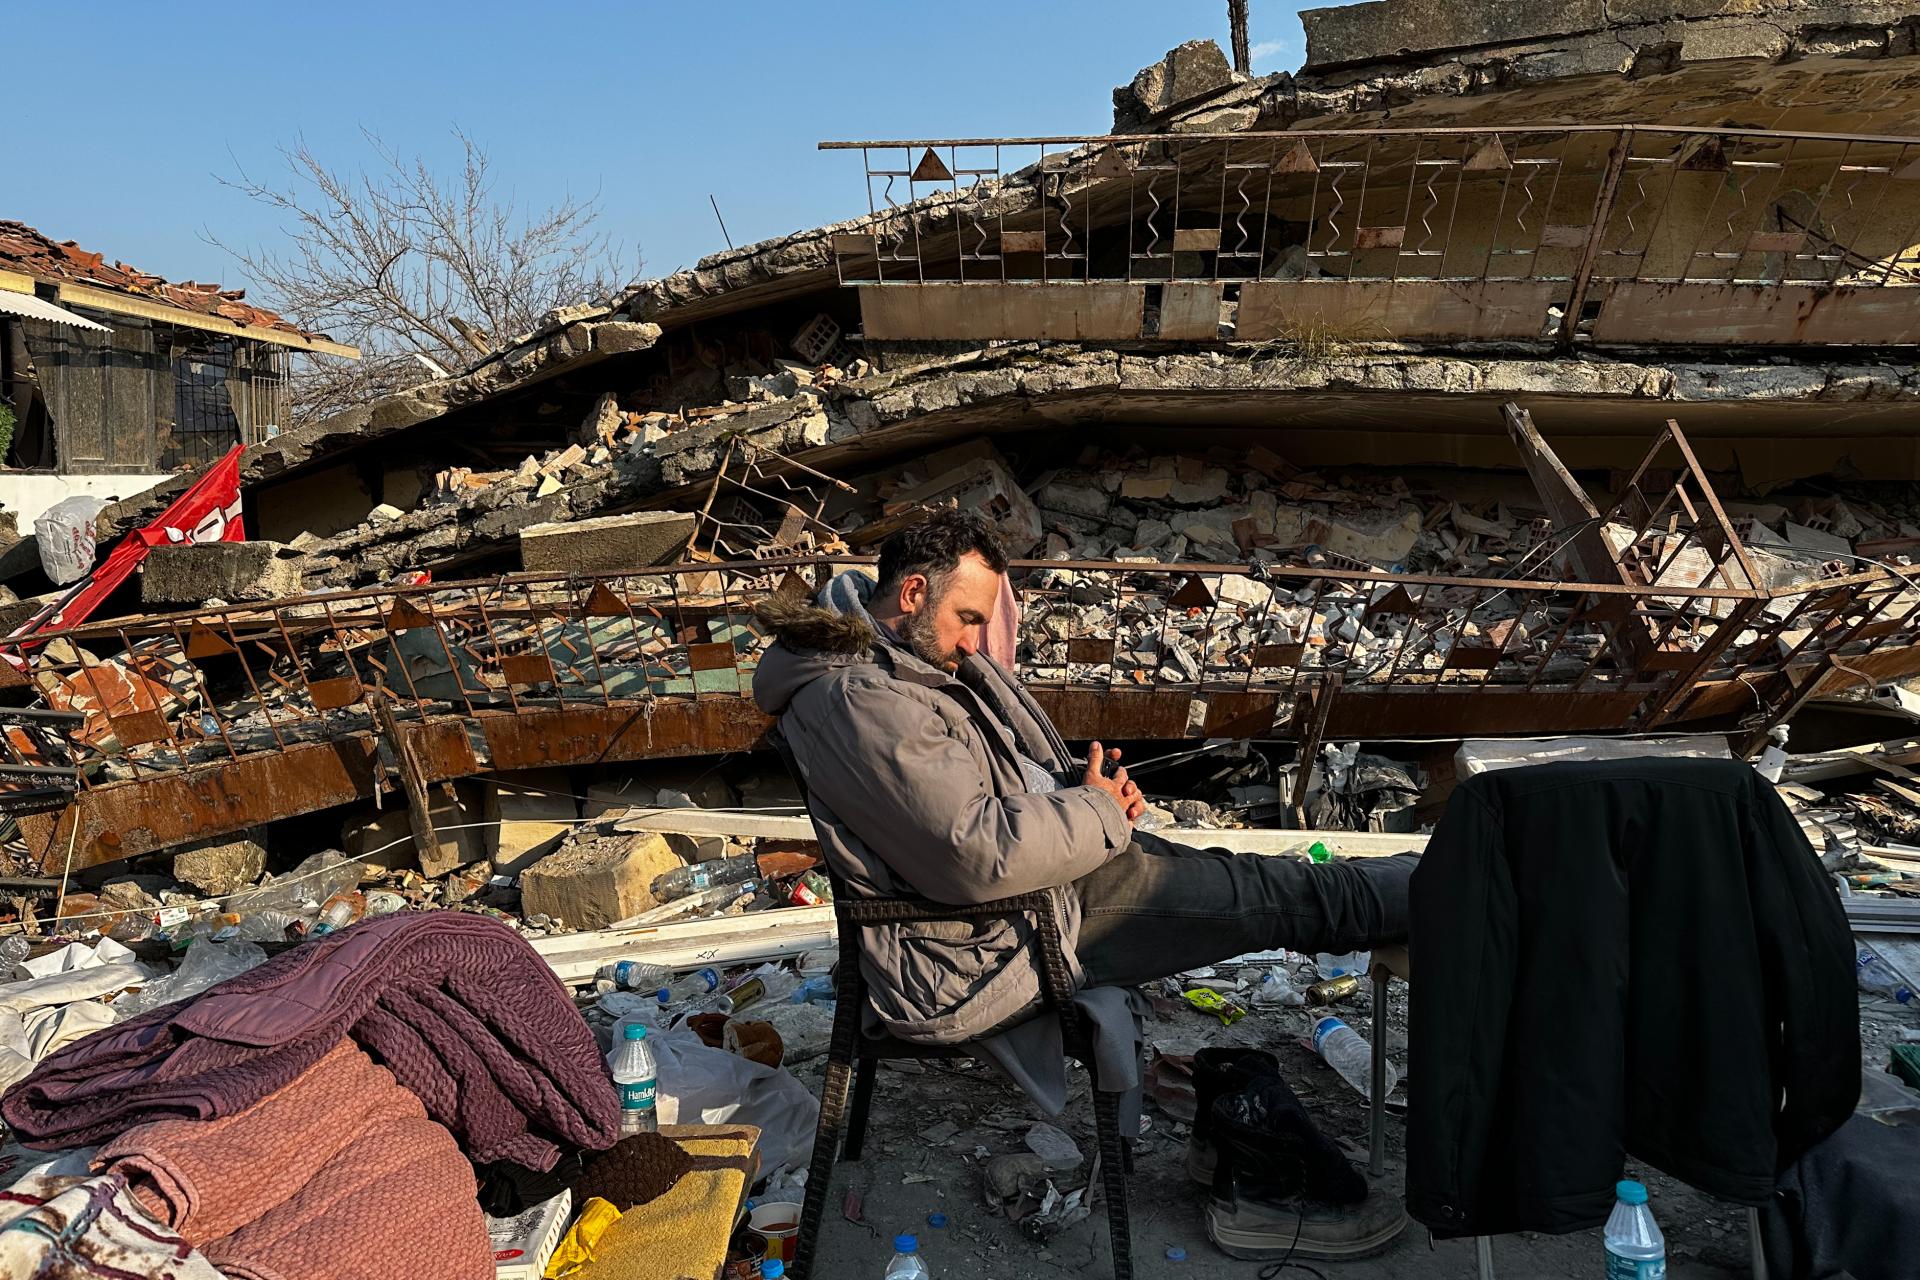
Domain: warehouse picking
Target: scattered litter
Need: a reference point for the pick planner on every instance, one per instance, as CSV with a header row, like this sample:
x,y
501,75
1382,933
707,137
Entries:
x,y
1060,1152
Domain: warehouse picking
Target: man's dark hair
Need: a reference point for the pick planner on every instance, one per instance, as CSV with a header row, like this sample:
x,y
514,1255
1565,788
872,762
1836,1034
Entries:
x,y
935,545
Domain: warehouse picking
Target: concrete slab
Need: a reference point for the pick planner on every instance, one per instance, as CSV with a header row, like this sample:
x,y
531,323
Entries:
x,y
606,544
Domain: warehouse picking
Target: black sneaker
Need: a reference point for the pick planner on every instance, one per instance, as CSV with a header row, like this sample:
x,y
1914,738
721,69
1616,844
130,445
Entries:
x,y
1217,1073
1260,1230
1282,1188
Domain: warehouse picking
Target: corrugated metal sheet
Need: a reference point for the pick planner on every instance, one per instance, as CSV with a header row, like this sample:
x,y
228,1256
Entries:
x,y
34,308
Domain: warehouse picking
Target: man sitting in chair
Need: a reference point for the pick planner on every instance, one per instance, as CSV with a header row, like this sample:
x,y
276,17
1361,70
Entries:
x,y
930,771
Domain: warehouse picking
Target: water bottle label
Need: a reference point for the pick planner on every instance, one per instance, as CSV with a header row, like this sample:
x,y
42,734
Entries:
x,y
701,880
1324,1028
622,971
637,1096
1619,1268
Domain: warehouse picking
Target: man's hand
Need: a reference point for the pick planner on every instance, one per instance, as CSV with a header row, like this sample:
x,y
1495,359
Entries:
x,y
1124,790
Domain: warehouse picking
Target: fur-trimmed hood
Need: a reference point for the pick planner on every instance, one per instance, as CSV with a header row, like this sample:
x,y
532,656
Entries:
x,y
804,626
814,638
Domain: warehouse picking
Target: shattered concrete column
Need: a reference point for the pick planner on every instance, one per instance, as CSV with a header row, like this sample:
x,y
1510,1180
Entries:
x,y
198,572
607,544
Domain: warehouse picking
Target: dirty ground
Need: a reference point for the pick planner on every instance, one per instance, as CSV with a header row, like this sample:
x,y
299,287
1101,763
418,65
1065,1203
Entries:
x,y
903,1177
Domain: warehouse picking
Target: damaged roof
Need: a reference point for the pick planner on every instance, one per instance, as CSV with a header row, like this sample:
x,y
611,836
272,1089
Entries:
x,y
30,252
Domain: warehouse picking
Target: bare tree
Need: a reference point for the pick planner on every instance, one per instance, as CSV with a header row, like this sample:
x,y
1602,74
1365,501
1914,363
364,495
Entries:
x,y
421,270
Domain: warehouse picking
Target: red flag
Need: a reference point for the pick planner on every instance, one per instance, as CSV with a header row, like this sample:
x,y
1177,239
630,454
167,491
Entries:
x,y
207,512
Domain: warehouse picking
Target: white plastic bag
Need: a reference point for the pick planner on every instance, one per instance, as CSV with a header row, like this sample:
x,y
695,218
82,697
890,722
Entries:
x,y
206,964
698,1085
64,533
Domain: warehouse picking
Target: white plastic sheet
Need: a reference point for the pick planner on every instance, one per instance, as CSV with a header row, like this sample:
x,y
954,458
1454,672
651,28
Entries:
x,y
698,1085
1484,755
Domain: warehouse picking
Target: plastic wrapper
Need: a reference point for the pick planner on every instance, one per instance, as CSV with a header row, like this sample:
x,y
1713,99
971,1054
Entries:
x,y
1228,1011
206,964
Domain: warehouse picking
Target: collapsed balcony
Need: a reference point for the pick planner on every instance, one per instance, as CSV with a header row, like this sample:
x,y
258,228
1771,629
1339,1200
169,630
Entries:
x,y
211,721
1565,234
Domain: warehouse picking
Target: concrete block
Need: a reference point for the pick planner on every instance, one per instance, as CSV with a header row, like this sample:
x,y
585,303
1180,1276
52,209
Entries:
x,y
985,485
1188,71
1392,29
1382,539
597,877
537,812
609,543
194,573
384,838
222,866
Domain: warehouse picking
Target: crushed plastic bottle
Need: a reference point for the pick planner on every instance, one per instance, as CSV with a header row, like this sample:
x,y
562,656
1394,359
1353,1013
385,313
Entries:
x,y
1877,977
698,877
695,985
1332,966
14,950
635,975
818,989
384,902
207,964
341,910
1636,1250
1275,991
1347,1052
270,924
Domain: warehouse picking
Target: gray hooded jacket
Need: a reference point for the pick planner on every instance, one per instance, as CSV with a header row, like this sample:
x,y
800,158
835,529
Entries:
x,y
915,786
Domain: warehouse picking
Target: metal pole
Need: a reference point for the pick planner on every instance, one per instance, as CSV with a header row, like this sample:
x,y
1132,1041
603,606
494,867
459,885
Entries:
x,y
1237,19
1483,1254
1377,1122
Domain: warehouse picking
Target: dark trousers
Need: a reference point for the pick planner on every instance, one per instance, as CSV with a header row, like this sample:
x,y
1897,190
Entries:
x,y
1159,909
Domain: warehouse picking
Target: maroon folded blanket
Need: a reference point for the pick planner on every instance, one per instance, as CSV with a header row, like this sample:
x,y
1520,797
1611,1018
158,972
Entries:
x,y
461,1010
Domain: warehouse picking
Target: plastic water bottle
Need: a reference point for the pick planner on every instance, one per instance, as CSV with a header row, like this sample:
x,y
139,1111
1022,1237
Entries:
x,y
1635,1248
637,1079
696,984
635,975
1878,978
1347,1052
818,989
773,1269
698,877
906,1264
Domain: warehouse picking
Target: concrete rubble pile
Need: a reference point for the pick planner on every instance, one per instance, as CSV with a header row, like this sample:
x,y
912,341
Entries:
x,y
618,454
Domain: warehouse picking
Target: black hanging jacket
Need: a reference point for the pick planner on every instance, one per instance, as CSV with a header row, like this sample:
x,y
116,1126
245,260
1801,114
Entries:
x,y
1640,956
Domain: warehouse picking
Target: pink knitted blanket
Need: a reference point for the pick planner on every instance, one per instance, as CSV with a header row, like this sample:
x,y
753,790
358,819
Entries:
x,y
339,1174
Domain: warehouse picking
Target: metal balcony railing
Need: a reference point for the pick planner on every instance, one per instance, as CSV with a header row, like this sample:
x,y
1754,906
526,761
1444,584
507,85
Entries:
x,y
1613,232
244,713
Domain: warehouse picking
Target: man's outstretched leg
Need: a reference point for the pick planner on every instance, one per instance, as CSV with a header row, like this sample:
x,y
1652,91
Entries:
x,y
1159,909
1280,1187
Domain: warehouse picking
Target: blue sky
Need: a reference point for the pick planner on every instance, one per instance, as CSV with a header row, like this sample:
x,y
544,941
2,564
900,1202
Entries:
x,y
130,114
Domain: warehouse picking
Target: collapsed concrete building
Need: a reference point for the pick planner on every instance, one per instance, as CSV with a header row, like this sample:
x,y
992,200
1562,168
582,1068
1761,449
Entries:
x,y
1482,378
